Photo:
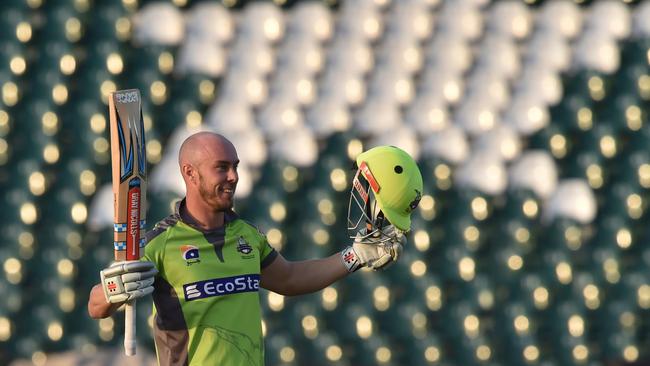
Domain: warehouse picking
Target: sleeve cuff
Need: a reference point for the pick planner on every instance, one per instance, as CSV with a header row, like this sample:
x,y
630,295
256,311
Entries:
x,y
269,258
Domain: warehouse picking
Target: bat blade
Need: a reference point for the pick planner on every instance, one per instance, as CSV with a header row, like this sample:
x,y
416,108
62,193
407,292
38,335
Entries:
x,y
129,168
128,157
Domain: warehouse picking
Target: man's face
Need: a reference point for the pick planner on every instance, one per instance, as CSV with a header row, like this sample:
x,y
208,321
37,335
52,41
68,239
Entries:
x,y
218,179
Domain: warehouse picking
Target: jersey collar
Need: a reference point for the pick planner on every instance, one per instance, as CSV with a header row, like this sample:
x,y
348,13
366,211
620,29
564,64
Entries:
x,y
184,216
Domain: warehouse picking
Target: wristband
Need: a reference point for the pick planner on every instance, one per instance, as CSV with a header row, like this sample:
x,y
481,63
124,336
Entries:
x,y
350,259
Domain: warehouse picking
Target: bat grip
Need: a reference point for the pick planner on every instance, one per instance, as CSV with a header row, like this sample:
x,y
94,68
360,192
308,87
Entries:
x,y
129,329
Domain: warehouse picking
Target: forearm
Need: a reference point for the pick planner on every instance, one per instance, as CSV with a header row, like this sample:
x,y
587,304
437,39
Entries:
x,y
97,306
315,274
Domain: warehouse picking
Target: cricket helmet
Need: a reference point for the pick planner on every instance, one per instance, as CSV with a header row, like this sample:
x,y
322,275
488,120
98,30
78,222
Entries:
x,y
387,187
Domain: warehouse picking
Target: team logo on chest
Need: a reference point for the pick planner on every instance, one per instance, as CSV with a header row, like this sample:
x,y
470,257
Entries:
x,y
244,248
190,253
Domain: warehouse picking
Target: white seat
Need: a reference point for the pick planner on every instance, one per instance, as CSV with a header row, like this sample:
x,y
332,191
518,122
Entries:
x,y
543,81
201,56
438,83
158,23
377,116
251,146
548,49
460,18
561,16
510,18
278,116
499,54
410,18
291,85
449,144
403,137
328,115
484,173
535,170
301,55
401,53
350,86
360,19
210,21
245,180
262,21
640,24
391,84
476,115
244,85
489,85
311,19
100,211
252,55
297,146
426,115
598,51
572,199
527,113
612,17
502,141
230,115
450,52
350,54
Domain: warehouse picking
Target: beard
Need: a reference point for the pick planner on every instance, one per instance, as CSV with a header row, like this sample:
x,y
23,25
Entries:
x,y
211,197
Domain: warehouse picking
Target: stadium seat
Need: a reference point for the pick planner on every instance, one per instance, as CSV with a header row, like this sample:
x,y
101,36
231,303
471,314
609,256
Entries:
x,y
528,120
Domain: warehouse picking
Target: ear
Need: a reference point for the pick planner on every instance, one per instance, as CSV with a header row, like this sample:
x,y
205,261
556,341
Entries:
x,y
189,172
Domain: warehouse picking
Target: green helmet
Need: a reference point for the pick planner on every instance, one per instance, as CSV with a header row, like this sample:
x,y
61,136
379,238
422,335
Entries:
x,y
392,182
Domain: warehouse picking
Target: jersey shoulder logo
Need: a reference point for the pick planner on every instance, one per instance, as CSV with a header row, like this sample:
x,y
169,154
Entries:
x,y
190,254
244,248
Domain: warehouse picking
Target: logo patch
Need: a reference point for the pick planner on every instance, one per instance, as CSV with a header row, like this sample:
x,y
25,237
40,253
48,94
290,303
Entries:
x,y
221,286
190,253
244,248
369,177
416,201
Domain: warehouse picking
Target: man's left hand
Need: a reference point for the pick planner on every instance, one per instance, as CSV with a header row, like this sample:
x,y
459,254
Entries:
x,y
374,251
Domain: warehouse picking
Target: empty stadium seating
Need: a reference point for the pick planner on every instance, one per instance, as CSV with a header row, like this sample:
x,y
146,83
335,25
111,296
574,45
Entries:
x,y
528,119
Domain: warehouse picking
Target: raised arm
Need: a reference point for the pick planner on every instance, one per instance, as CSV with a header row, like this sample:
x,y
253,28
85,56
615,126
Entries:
x,y
302,277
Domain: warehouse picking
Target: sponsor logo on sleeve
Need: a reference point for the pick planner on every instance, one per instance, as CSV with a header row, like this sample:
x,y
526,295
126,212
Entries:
x,y
221,286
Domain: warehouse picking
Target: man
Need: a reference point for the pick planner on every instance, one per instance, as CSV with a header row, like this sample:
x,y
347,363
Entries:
x,y
208,264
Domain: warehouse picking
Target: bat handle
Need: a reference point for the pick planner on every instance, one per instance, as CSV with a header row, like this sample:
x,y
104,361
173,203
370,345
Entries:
x,y
129,329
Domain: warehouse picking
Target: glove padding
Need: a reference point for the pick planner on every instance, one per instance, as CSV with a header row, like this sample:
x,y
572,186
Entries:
x,y
374,252
127,281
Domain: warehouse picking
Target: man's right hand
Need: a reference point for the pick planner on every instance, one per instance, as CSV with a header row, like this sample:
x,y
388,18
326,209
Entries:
x,y
126,281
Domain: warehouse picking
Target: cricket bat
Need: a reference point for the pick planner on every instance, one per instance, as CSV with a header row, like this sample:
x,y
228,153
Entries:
x,y
129,168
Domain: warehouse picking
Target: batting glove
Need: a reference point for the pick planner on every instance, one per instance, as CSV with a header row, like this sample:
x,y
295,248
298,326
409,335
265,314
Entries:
x,y
376,251
126,281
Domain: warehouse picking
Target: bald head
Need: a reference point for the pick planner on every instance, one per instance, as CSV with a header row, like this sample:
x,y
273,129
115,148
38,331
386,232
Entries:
x,y
202,145
208,163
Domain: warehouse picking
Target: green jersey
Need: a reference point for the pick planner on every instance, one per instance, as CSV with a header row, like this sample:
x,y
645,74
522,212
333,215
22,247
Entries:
x,y
206,299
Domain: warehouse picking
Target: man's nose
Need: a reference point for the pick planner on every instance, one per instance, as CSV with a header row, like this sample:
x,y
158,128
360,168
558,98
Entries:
x,y
232,175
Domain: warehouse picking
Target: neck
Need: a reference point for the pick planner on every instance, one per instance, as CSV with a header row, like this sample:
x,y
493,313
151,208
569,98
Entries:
x,y
206,217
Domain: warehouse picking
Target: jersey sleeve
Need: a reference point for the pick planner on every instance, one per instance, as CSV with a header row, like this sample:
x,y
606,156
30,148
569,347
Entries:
x,y
267,253
153,250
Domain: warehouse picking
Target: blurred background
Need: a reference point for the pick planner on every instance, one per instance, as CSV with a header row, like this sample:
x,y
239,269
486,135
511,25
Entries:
x,y
529,120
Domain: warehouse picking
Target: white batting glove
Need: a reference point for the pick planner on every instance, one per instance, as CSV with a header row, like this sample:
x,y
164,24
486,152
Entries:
x,y
376,252
126,281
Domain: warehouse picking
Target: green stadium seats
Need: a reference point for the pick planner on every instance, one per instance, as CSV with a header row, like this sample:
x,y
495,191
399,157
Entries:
x,y
485,279
108,22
